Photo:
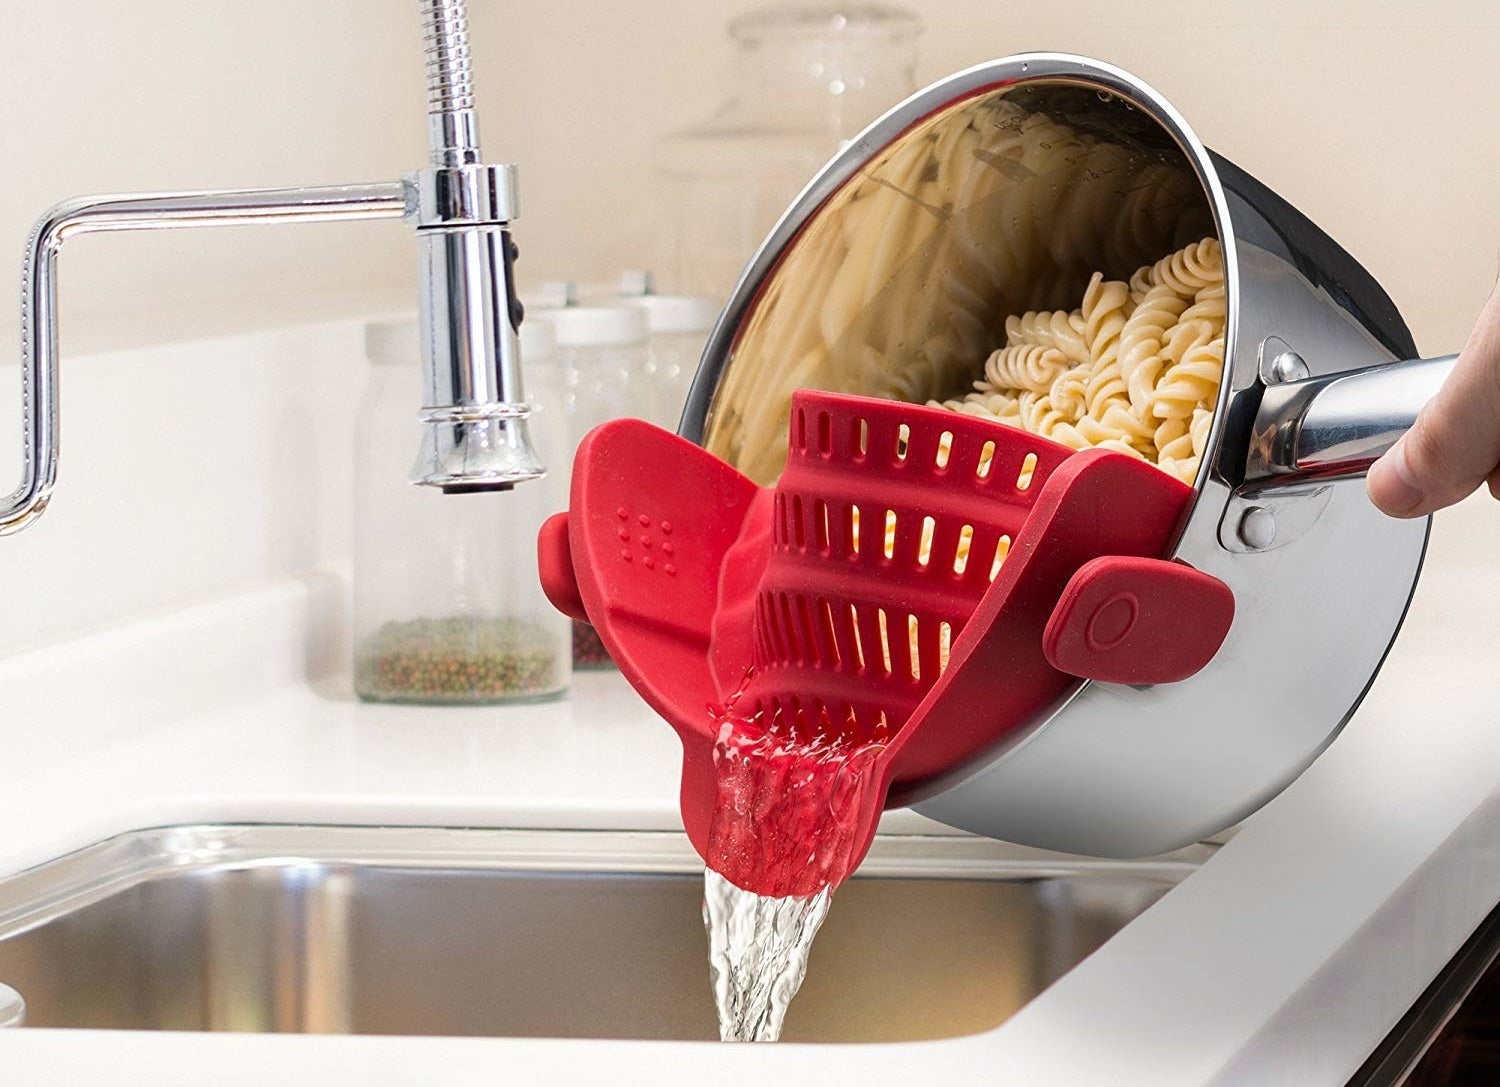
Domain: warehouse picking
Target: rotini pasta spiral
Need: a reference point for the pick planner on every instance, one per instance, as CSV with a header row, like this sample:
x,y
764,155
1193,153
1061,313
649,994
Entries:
x,y
1029,366
1190,269
1158,310
1057,329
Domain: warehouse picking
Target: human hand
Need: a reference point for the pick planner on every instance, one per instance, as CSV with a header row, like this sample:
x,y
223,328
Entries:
x,y
1455,444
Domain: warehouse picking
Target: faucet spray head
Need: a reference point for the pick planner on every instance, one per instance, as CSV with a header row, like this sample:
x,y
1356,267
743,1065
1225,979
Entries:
x,y
474,411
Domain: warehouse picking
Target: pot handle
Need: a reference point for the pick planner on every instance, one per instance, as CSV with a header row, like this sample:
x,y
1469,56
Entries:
x,y
1336,426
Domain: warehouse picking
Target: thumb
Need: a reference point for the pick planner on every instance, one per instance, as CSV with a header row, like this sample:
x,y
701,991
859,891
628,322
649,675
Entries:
x,y
1454,445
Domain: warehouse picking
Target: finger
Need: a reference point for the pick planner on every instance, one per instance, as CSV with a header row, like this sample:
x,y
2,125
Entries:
x,y
1455,444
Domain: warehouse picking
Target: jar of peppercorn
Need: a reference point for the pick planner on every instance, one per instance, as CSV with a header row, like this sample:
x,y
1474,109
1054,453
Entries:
x,y
448,607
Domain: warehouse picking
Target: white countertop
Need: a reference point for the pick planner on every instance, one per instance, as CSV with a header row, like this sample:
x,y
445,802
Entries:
x,y
1284,960
233,732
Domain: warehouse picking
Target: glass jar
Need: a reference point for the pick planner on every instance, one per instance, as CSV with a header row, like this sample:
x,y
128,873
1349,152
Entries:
x,y
448,605
805,80
608,369
607,363
679,326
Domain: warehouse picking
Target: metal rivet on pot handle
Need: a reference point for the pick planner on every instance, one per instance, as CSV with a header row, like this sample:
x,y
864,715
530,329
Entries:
x,y
1287,366
1258,528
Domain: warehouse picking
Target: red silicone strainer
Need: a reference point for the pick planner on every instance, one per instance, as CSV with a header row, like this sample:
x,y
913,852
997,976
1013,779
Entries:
x,y
933,578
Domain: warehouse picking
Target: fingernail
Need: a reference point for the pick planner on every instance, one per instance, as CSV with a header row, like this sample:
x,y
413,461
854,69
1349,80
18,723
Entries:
x,y
1391,485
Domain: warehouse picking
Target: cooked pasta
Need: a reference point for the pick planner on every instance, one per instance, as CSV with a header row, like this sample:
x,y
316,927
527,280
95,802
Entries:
x,y
902,282
1135,368
1024,365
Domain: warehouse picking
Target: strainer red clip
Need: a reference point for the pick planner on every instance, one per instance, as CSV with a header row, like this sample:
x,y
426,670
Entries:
x,y
934,577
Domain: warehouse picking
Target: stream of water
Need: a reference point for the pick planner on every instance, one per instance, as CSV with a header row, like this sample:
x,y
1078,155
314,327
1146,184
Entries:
x,y
757,954
784,834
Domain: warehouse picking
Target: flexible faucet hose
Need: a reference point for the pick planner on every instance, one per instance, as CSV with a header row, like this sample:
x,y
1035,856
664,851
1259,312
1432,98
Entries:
x,y
452,123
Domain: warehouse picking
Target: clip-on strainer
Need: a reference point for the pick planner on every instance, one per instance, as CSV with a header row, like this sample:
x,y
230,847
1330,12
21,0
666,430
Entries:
x,y
936,578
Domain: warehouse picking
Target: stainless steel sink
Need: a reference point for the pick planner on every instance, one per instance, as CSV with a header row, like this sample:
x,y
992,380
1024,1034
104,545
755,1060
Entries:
x,y
540,933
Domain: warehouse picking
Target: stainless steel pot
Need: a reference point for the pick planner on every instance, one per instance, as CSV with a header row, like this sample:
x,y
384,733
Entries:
x,y
1311,395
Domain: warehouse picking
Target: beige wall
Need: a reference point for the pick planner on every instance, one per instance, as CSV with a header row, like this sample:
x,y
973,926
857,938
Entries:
x,y
1378,119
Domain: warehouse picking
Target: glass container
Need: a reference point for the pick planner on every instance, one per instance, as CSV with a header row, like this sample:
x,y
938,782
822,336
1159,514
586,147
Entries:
x,y
607,362
679,326
448,606
805,80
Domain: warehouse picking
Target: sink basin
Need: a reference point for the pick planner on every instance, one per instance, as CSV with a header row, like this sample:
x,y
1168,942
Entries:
x,y
529,933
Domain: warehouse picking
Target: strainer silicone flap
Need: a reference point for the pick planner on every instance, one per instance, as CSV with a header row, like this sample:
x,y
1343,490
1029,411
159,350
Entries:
x,y
936,578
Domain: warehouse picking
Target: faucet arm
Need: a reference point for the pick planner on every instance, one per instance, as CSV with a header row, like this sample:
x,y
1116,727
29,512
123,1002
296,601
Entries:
x,y
156,211
474,410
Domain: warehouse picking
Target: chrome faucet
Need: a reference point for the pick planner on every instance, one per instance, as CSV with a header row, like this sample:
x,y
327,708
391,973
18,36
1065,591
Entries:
x,y
474,433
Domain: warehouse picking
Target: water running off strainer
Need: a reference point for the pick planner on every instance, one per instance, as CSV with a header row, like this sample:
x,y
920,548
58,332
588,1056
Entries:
x,y
785,822
757,954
